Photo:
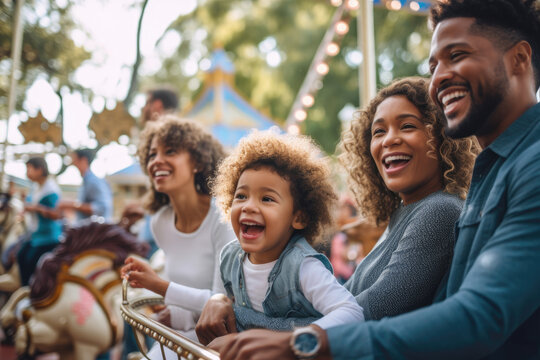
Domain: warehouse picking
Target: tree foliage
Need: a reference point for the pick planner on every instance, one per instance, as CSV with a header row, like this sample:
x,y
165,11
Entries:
x,y
48,49
251,30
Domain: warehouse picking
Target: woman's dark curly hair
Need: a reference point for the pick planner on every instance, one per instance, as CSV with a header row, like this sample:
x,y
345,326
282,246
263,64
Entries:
x,y
456,157
183,135
504,22
296,159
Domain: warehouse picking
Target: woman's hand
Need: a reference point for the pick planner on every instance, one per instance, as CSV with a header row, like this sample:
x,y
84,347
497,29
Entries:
x,y
217,319
30,207
47,212
140,274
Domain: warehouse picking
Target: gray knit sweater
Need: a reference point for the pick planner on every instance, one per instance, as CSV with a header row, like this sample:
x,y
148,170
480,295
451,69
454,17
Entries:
x,y
404,269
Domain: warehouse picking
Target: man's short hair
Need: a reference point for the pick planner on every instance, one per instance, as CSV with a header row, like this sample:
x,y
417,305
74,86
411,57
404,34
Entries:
x,y
39,163
504,22
86,153
168,98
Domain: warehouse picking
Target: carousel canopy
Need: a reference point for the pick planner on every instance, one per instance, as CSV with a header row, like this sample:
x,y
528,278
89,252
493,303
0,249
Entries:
x,y
221,109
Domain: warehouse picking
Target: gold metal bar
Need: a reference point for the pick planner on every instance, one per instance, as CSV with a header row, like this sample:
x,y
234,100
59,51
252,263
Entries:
x,y
166,336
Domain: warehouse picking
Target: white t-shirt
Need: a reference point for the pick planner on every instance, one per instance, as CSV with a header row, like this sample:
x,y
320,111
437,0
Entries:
x,y
319,286
191,263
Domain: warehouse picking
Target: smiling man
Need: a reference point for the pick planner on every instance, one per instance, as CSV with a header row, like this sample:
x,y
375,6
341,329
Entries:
x,y
485,65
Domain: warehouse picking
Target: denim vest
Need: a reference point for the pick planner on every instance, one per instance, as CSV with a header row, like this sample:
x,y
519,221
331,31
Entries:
x,y
284,297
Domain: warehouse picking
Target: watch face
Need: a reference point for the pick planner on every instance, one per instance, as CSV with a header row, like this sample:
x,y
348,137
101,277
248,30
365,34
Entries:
x,y
306,342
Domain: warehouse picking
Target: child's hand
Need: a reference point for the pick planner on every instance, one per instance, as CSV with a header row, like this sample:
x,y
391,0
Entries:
x,y
140,274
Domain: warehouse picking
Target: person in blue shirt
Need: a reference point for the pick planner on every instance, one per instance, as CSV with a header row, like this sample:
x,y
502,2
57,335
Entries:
x,y
485,65
95,196
46,230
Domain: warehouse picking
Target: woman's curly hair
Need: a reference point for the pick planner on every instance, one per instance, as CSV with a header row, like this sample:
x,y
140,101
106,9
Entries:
x,y
183,135
456,157
296,159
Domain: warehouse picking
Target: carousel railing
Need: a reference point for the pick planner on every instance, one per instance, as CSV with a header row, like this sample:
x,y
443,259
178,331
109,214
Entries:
x,y
166,337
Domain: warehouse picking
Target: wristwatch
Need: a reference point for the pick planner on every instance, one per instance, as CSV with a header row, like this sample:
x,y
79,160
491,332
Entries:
x,y
305,342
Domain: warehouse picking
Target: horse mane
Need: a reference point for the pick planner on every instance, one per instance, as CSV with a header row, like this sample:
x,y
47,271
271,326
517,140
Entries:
x,y
93,235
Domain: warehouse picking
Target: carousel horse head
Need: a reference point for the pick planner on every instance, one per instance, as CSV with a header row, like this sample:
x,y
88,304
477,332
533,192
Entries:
x,y
75,294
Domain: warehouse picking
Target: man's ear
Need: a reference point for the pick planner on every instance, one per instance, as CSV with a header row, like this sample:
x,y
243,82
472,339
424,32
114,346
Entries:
x,y
521,57
299,221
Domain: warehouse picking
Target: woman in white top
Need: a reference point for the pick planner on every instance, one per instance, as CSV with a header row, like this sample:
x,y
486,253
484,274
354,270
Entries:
x,y
180,158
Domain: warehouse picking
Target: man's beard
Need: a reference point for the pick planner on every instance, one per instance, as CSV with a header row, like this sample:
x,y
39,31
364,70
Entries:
x,y
475,121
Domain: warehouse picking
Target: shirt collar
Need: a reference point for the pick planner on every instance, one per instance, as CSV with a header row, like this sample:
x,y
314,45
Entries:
x,y
505,143
87,174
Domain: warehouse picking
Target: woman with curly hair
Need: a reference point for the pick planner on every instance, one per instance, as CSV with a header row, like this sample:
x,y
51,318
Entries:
x,y
276,191
180,158
406,172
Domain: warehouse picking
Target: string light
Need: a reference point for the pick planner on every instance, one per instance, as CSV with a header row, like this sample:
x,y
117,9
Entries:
x,y
342,27
300,115
395,5
293,129
353,4
332,49
414,6
308,100
323,68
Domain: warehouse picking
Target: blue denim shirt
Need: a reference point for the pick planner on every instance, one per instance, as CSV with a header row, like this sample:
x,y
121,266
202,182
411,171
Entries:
x,y
491,305
284,297
97,193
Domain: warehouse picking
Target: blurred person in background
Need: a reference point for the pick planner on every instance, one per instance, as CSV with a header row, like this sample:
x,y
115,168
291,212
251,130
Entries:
x,y
46,230
95,196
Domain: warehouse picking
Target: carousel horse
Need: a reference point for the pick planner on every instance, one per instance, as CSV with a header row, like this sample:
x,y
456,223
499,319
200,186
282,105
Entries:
x,y
12,226
74,298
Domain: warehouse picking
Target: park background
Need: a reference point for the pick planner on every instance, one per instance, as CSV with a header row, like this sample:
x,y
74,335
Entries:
x,y
294,62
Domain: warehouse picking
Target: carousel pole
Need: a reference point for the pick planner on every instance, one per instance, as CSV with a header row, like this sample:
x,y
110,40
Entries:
x,y
366,44
16,47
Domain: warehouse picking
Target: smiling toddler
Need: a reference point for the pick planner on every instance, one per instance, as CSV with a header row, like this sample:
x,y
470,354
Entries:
x,y
276,191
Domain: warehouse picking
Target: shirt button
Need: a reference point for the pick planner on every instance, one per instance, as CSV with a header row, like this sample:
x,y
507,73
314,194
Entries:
x,y
243,304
